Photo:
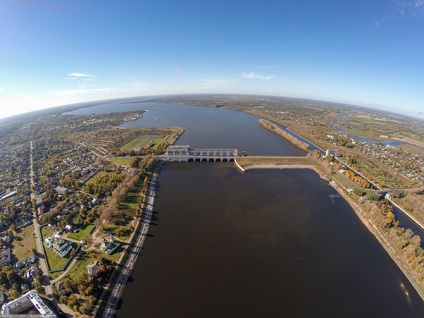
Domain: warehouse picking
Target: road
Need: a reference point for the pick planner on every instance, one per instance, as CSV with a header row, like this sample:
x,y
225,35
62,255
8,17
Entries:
x,y
39,245
120,283
38,242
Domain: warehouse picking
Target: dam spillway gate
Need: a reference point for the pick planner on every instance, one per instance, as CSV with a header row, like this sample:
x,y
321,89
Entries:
x,y
187,154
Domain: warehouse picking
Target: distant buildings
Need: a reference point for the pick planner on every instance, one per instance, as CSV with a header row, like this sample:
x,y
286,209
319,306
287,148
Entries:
x,y
30,301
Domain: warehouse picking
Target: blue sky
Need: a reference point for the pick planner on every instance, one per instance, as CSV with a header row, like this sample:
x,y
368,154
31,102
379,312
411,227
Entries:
x,y
61,52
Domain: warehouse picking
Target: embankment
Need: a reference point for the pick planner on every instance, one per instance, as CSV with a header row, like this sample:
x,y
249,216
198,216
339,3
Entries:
x,y
393,253
274,128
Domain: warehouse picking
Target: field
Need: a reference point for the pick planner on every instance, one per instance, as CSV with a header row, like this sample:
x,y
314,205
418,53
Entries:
x,y
82,233
24,243
122,161
83,260
143,141
373,128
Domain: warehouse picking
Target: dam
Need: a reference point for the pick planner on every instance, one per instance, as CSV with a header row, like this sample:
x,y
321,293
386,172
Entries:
x,y
181,153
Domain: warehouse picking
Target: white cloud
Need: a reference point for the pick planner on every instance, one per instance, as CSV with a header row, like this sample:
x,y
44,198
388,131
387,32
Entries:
x,y
85,76
255,76
400,10
411,8
1,89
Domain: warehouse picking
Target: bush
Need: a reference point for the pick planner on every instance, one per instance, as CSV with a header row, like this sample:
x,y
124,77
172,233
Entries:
x,y
359,192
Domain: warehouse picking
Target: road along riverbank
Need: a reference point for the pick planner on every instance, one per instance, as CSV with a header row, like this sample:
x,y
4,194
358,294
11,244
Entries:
x,y
121,281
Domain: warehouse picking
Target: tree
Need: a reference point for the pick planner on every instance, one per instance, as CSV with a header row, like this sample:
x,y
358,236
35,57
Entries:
x,y
12,276
14,294
83,279
359,192
416,240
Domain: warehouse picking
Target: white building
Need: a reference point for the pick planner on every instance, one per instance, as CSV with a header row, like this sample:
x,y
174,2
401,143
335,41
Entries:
x,y
29,301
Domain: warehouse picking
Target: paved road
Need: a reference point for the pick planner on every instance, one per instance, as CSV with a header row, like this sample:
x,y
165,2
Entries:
x,y
120,283
38,242
39,245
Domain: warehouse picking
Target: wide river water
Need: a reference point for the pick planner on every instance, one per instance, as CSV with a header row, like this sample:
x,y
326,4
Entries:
x,y
265,243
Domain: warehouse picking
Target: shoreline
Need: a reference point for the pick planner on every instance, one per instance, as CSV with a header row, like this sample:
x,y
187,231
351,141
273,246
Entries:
x,y
144,223
289,137
394,255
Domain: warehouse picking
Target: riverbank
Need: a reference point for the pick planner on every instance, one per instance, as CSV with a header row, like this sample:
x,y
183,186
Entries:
x,y
132,255
396,257
274,128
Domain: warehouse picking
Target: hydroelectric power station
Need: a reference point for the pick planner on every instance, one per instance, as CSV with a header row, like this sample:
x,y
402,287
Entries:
x,y
185,153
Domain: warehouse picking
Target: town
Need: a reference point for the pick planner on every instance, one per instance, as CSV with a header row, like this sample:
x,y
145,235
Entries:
x,y
57,236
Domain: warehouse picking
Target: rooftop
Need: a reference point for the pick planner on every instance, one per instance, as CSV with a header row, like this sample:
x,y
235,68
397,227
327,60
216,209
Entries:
x,y
26,301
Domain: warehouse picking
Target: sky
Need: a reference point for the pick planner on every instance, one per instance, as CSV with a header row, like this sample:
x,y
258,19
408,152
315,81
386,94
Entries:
x,y
363,52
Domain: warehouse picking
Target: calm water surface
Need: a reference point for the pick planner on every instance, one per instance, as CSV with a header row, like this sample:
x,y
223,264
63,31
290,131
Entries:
x,y
206,127
266,243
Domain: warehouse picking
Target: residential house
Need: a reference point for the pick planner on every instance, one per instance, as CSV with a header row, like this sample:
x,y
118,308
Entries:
x,y
93,268
5,257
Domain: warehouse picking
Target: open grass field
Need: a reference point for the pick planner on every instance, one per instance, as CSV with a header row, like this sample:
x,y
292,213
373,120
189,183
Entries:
x,y
82,233
54,260
83,260
370,134
46,231
144,141
24,243
343,180
122,161
168,136
413,149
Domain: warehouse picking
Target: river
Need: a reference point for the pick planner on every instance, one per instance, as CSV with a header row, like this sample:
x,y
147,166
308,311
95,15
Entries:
x,y
265,243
